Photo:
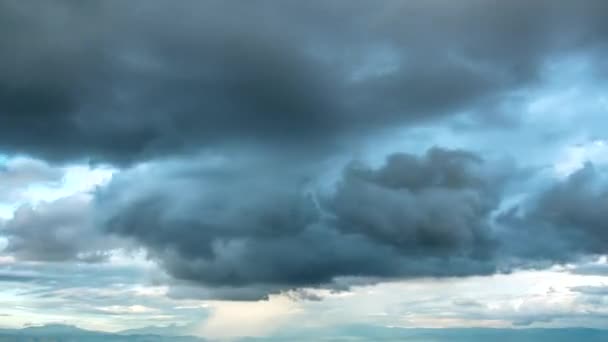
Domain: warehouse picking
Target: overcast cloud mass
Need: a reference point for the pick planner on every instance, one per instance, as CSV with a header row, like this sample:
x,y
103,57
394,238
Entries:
x,y
236,150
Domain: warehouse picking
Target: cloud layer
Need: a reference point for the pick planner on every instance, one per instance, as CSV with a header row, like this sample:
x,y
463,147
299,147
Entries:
x,y
235,128
142,79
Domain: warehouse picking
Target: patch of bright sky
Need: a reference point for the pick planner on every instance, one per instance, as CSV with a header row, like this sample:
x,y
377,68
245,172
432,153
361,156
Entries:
x,y
76,179
6,211
575,157
556,125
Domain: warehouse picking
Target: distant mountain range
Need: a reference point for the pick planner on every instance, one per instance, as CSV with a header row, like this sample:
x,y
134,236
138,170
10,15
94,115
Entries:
x,y
66,333
386,334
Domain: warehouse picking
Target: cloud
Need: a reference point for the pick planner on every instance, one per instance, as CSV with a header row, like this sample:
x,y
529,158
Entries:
x,y
434,205
140,80
243,229
578,207
591,269
55,231
16,277
591,290
236,228
570,215
17,174
127,310
233,227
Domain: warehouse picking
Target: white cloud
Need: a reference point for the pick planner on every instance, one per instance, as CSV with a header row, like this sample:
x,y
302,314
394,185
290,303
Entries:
x,y
131,309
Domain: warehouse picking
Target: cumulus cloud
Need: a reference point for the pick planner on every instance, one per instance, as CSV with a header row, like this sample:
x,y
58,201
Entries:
x,y
55,231
248,229
437,204
243,230
569,214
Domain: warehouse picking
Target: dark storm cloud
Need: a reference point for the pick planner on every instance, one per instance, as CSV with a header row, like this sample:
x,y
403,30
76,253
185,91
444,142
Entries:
x,y
246,230
128,85
228,228
54,231
578,207
570,215
122,81
439,203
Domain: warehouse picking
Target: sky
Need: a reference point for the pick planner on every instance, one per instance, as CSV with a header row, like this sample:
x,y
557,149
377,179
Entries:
x,y
235,168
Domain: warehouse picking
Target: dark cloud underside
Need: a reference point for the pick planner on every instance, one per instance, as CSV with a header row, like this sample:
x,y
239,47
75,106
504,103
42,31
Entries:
x,y
251,228
120,81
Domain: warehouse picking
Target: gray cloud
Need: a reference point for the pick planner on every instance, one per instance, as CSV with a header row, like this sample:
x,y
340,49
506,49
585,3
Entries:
x,y
591,269
578,207
12,277
143,79
570,214
55,231
241,229
248,229
439,203
591,290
